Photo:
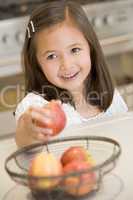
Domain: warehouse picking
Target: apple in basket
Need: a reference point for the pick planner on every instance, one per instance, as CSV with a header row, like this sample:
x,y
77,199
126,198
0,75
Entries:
x,y
81,183
44,165
58,121
76,153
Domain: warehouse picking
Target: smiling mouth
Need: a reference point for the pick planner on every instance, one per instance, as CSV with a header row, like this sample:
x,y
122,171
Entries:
x,y
71,76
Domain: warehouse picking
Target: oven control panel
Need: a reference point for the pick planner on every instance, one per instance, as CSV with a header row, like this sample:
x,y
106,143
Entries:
x,y
108,18
12,35
112,21
111,18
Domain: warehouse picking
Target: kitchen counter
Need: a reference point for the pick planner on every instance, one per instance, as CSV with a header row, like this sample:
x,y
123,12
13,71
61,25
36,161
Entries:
x,y
7,146
119,128
119,181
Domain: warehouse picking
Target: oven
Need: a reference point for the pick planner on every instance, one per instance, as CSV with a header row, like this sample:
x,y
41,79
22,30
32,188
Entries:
x,y
11,76
112,21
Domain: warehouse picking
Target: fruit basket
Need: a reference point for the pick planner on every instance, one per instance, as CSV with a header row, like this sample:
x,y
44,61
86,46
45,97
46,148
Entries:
x,y
81,183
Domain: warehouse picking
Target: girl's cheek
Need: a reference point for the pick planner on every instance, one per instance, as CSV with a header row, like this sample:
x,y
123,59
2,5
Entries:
x,y
85,59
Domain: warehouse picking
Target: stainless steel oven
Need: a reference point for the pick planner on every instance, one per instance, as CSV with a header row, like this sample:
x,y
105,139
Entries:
x,y
11,76
112,21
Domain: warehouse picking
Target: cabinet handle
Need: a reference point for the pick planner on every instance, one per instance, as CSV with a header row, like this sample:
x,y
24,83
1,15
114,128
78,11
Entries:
x,y
116,40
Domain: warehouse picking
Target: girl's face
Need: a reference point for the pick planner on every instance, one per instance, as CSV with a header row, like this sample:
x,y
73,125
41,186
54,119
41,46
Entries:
x,y
64,56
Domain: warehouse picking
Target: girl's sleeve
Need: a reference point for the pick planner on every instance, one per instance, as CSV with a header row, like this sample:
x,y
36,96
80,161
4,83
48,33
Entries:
x,y
118,104
33,99
30,99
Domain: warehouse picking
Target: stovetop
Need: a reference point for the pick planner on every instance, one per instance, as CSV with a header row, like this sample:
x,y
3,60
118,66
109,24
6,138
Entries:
x,y
17,8
14,8
110,18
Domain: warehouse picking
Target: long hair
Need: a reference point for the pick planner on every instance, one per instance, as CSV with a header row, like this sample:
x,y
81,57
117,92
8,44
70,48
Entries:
x,y
98,88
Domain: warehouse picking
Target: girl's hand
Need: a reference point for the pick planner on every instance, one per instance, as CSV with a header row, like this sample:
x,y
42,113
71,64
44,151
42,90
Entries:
x,y
40,117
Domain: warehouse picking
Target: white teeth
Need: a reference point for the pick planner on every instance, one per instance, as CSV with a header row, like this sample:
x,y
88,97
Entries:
x,y
69,76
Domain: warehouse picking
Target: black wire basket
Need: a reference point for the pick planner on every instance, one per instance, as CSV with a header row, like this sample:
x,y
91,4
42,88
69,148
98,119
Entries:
x,y
104,151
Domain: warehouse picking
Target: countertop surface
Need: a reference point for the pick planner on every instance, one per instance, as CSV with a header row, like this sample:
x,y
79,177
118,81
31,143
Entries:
x,y
116,185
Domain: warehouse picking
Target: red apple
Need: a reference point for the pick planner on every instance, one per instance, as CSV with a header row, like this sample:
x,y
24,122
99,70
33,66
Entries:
x,y
76,153
81,184
44,165
58,120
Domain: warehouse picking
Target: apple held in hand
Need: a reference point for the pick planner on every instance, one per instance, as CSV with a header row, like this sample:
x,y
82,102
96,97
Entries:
x,y
80,184
58,119
44,165
76,153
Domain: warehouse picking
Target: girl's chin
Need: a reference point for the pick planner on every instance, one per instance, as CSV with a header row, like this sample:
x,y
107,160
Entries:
x,y
73,87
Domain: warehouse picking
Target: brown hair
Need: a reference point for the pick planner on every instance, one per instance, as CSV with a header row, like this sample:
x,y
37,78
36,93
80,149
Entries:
x,y
99,88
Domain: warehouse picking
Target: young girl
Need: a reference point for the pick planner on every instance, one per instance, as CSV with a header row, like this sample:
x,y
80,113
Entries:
x,y
63,60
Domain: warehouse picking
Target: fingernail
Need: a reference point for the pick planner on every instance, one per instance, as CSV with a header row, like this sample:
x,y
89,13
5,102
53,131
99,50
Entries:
x,y
48,131
40,136
46,120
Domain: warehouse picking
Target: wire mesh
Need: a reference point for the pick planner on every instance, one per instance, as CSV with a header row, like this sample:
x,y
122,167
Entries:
x,y
105,151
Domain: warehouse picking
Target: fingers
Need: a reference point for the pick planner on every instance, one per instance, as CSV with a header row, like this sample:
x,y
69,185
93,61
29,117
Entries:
x,y
41,134
42,110
41,114
45,131
42,137
57,101
41,117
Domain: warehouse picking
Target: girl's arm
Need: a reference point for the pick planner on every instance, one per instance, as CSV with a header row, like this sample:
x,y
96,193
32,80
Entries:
x,y
26,131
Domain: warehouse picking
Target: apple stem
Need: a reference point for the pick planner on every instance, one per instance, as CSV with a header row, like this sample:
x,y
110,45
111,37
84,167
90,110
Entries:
x,y
47,148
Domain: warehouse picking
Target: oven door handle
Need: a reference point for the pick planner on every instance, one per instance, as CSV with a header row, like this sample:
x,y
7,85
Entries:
x,y
10,70
117,39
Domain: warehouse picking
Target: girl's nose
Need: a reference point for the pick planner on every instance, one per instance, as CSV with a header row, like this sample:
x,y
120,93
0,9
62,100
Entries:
x,y
66,62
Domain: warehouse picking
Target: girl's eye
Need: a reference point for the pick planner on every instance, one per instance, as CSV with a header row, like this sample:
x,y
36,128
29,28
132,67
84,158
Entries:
x,y
76,50
51,57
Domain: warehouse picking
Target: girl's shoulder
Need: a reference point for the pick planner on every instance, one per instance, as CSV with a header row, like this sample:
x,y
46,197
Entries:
x,y
118,104
31,99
